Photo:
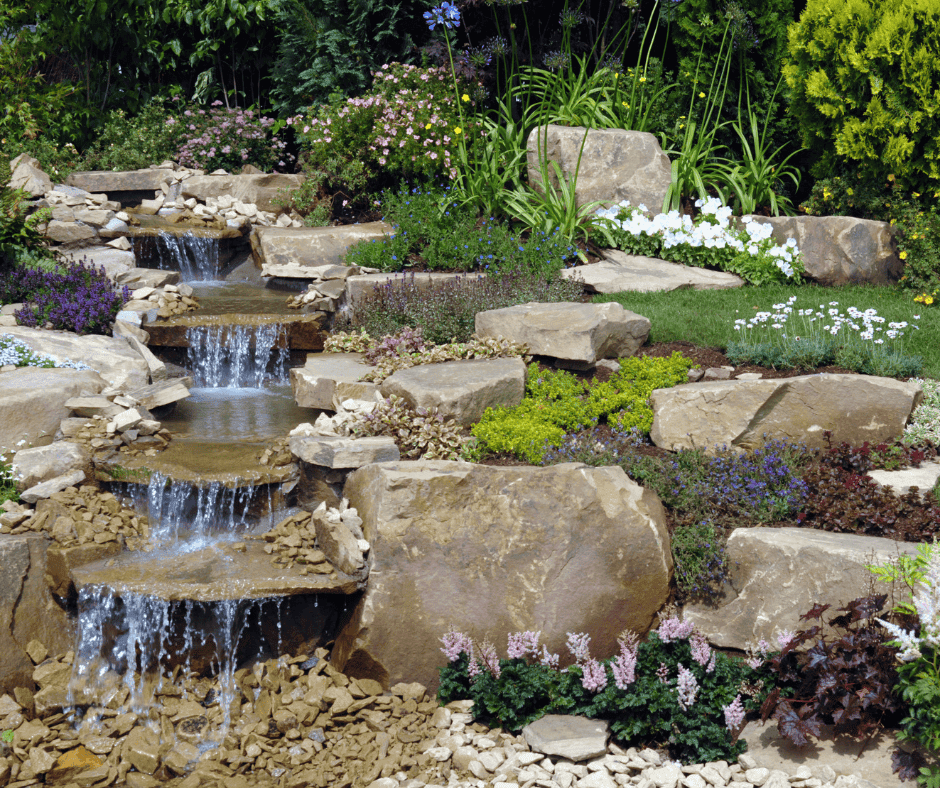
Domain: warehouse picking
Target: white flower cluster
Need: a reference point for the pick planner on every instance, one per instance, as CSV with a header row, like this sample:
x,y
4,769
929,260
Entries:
x,y
715,232
927,604
829,320
17,353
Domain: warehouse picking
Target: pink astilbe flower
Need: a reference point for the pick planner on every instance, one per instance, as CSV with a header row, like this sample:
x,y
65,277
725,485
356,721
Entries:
x,y
594,676
624,667
687,687
785,638
578,644
734,714
490,659
455,644
523,644
662,673
548,660
674,629
701,651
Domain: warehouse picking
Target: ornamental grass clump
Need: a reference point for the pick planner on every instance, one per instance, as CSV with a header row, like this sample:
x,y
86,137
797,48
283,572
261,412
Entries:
x,y
77,297
790,338
670,691
707,241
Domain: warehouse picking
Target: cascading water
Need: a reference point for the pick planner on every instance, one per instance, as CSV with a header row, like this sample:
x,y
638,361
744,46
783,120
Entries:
x,y
196,257
237,355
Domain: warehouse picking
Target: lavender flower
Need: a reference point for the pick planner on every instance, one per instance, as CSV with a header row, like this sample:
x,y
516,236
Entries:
x,y
594,676
445,14
687,687
734,714
522,644
578,644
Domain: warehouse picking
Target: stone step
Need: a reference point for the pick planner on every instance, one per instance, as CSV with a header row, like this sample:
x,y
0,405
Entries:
x,y
304,331
294,253
621,272
163,392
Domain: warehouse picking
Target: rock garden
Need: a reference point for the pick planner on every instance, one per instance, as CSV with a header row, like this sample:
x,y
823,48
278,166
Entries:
x,y
517,402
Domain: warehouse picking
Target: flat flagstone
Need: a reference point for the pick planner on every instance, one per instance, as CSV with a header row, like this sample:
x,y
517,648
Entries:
x,y
329,378
574,738
621,272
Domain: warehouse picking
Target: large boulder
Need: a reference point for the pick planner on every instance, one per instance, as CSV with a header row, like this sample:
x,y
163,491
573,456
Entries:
x,y
71,234
115,262
620,272
576,335
615,164
327,379
42,463
30,419
461,390
841,250
301,253
28,176
777,574
489,550
111,357
128,181
27,610
743,413
261,190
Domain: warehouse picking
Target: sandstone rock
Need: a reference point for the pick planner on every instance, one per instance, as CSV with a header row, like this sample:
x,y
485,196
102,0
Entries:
x,y
32,466
431,526
96,218
71,233
114,261
163,392
841,250
571,737
155,367
122,328
136,278
461,390
740,413
128,181
142,750
576,335
72,762
89,407
777,574
33,420
51,486
110,357
615,164
621,272
27,175
335,452
259,190
924,478
338,544
27,610
301,253
328,379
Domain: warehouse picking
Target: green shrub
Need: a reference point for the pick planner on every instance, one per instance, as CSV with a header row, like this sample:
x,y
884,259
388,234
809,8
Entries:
x,y
557,402
862,80
19,238
134,142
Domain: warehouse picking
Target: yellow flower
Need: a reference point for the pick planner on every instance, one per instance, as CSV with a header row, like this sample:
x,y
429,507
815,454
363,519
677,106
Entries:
x,y
701,94
428,126
465,97
625,104
826,194
903,255
458,130
642,79
928,300
890,177
849,191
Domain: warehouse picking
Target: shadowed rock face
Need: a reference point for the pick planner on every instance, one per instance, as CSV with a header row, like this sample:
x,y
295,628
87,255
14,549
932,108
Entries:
x,y
496,550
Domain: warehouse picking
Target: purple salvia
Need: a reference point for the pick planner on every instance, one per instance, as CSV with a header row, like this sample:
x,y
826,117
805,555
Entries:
x,y
687,687
734,714
593,676
578,644
701,651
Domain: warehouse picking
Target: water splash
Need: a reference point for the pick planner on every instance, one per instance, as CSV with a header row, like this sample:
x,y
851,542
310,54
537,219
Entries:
x,y
237,356
196,257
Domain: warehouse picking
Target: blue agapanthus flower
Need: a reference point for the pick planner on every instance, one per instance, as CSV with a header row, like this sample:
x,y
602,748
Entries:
x,y
445,14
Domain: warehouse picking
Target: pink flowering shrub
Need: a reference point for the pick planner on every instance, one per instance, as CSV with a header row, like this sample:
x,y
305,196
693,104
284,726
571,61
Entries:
x,y
406,125
228,139
672,690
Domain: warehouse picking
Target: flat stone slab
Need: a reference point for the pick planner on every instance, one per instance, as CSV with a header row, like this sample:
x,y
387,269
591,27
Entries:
x,y
114,261
128,181
111,357
36,465
213,574
742,413
136,278
302,252
261,190
327,379
568,736
338,452
163,392
51,486
301,330
777,574
361,286
461,390
924,478
30,420
622,272
576,335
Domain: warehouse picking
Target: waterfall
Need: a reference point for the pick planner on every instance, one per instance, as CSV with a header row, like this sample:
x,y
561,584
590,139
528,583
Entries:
x,y
196,257
236,355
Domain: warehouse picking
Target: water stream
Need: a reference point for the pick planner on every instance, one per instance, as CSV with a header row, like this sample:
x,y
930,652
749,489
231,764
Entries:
x,y
196,257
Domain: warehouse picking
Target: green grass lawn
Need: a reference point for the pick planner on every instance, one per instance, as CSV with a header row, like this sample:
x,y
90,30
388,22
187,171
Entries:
x,y
706,317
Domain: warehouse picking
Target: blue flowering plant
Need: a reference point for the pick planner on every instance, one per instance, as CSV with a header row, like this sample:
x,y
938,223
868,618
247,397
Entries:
x,y
671,690
76,297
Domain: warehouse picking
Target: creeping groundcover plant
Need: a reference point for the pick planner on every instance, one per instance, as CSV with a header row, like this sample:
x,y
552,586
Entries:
x,y
671,690
709,240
